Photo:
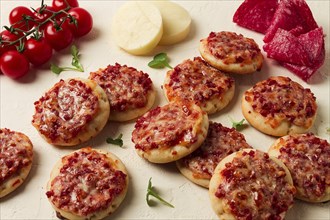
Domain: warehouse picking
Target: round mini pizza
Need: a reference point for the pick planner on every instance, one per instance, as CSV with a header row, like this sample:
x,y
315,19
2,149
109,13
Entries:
x,y
87,184
170,132
71,112
130,92
307,158
16,156
219,143
249,184
279,106
196,81
231,52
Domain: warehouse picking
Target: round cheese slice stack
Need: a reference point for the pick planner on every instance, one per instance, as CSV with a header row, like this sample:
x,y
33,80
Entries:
x,y
138,27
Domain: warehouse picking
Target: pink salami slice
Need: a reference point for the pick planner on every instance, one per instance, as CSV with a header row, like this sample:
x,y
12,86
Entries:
x,y
304,72
256,15
291,14
297,31
302,55
285,47
313,42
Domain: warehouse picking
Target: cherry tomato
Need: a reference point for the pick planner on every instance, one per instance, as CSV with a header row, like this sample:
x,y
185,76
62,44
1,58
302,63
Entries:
x,y
18,16
84,21
38,51
62,4
43,15
14,64
58,38
8,37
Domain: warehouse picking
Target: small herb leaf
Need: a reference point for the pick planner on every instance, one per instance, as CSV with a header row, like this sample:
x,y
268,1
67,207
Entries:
x,y
76,65
118,141
75,58
151,192
55,69
155,64
238,125
161,57
160,61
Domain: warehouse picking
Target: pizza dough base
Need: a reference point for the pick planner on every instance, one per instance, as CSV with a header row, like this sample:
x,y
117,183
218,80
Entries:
x,y
238,68
259,122
194,177
274,151
209,106
7,186
136,112
172,153
118,165
204,182
95,125
219,205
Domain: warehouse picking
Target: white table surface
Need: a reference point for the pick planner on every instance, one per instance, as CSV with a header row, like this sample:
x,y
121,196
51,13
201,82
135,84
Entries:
x,y
98,50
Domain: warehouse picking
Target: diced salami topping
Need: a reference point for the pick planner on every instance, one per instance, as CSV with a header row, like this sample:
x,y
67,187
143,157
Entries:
x,y
87,183
280,98
256,15
291,14
307,158
232,48
167,126
196,81
126,87
15,154
255,187
65,110
219,143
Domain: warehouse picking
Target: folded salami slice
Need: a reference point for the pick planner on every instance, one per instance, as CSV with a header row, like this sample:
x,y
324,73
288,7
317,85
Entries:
x,y
304,72
256,15
291,14
302,55
313,42
285,47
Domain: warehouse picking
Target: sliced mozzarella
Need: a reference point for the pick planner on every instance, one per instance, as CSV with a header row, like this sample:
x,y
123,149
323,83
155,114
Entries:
x,y
176,22
137,27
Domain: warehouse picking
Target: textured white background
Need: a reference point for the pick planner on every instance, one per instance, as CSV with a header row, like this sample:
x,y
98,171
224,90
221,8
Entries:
x,y
98,50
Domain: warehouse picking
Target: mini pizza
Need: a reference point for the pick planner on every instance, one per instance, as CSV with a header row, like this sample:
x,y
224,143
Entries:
x,y
219,143
279,106
130,92
170,132
87,184
71,112
307,158
231,52
249,184
16,156
196,81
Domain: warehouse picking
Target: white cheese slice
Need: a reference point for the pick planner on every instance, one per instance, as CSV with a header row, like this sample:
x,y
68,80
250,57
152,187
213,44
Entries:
x,y
137,27
176,22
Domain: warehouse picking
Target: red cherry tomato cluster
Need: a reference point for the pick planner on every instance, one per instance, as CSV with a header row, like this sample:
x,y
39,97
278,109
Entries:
x,y
34,34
